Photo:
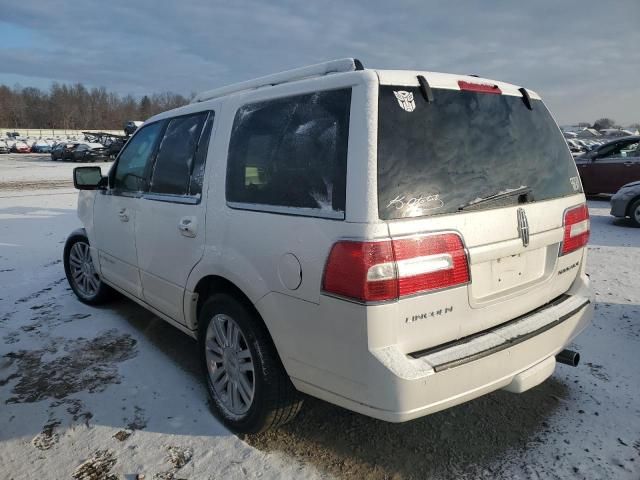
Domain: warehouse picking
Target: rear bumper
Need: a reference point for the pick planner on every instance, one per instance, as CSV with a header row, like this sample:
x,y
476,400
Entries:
x,y
515,356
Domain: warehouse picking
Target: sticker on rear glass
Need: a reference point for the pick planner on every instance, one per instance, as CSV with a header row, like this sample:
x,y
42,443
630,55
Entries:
x,y
575,183
423,202
405,99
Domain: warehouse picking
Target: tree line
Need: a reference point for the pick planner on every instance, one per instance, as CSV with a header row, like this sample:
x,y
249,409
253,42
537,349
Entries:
x,y
77,107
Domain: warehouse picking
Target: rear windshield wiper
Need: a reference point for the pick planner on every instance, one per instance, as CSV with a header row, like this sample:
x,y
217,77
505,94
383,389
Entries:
x,y
521,190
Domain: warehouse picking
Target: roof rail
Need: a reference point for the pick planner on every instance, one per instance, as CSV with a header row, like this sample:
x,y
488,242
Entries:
x,y
318,70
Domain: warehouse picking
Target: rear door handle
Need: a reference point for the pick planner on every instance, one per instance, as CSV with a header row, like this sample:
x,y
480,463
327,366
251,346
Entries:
x,y
124,217
188,226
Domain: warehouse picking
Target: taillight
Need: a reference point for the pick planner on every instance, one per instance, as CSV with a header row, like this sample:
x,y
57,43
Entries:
x,y
576,229
387,270
361,270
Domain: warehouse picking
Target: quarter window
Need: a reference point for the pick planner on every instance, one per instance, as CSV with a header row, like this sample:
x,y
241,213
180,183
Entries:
x,y
291,152
130,174
177,156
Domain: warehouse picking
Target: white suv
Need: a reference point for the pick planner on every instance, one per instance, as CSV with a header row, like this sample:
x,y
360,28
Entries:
x,y
393,242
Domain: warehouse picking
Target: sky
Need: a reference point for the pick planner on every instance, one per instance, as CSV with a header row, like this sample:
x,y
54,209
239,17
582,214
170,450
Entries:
x,y
582,56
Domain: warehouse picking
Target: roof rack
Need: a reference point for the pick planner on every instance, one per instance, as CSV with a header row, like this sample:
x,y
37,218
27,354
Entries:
x,y
318,70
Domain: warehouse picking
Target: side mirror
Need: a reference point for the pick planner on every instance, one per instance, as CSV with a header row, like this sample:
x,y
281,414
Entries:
x,y
88,178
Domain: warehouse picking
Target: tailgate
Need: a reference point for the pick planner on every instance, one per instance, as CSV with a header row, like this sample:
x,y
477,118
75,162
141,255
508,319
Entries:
x,y
507,278
488,162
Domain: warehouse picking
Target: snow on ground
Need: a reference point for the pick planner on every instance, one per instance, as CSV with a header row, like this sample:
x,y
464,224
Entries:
x,y
18,169
114,391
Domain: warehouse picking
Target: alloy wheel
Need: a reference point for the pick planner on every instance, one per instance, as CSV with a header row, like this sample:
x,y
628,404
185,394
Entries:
x,y
230,364
83,274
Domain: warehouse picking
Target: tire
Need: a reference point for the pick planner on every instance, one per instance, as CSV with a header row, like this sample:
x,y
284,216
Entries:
x,y
264,396
78,265
634,213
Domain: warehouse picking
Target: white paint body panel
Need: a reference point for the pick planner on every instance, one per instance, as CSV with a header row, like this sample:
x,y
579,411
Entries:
x,y
114,237
350,354
165,255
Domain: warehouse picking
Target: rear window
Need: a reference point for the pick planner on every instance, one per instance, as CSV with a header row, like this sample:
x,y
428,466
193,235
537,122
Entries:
x,y
292,153
442,157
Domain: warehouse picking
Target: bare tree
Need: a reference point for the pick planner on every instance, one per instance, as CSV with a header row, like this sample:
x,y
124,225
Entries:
x,y
604,123
76,107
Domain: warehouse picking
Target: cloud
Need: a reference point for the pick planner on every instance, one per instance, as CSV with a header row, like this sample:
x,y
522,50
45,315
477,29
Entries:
x,y
582,56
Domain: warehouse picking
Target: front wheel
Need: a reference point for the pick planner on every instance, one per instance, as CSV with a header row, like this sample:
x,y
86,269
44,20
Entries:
x,y
248,386
634,213
81,274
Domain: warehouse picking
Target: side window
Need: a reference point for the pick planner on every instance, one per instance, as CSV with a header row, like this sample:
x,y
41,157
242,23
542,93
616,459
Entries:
x,y
130,174
291,152
621,149
177,155
82,148
630,149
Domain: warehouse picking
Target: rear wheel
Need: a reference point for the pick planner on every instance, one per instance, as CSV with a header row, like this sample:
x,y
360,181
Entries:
x,y
81,274
634,213
248,386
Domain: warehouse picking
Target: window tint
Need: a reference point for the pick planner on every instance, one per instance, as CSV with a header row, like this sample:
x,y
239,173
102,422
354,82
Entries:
x,y
82,148
440,157
291,152
134,159
175,159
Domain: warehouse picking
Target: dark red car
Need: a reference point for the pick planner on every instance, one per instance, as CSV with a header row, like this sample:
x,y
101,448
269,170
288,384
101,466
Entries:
x,y
610,166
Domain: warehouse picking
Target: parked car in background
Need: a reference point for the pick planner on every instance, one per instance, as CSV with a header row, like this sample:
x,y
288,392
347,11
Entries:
x,y
61,149
131,126
41,147
395,298
20,147
610,166
115,146
615,132
87,152
626,202
4,148
575,148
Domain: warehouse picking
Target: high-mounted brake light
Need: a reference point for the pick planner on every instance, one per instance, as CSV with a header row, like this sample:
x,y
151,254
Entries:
x,y
387,270
479,87
576,229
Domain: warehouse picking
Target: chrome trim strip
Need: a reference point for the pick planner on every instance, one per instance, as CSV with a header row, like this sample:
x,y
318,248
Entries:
x,y
167,197
298,211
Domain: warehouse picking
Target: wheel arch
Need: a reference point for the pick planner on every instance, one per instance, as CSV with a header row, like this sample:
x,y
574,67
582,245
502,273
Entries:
x,y
78,232
212,284
630,204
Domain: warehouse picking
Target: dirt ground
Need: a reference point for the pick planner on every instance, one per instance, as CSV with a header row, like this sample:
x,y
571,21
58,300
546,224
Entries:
x,y
112,392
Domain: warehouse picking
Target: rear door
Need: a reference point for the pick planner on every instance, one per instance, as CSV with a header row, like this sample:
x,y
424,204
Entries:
x,y
115,211
617,166
478,162
170,229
